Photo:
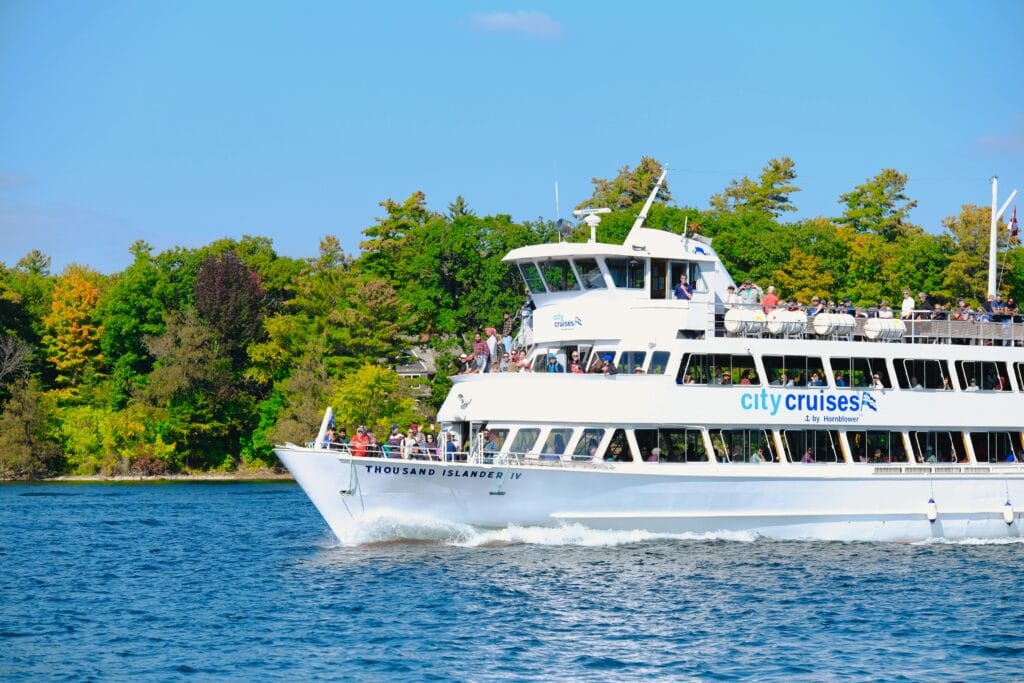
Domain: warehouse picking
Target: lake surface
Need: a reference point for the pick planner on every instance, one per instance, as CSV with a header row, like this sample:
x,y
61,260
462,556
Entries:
x,y
214,581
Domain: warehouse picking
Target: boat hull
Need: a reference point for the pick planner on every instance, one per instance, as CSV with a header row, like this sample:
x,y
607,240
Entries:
x,y
779,501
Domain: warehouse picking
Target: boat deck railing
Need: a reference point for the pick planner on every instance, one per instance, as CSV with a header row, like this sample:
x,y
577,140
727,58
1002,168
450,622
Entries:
x,y
917,330
554,460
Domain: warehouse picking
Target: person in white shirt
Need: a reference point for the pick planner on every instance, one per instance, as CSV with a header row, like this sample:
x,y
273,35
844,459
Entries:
x,y
907,308
732,300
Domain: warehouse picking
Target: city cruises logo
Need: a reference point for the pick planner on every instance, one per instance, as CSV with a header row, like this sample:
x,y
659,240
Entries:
x,y
820,406
563,322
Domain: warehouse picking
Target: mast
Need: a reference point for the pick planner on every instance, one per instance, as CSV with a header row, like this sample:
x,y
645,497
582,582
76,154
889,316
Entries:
x,y
650,200
993,239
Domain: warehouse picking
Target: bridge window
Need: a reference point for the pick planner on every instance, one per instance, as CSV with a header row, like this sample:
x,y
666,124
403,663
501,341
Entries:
x,y
559,275
877,446
743,445
935,447
590,273
997,446
982,376
531,276
717,369
812,446
857,373
626,273
586,447
795,371
915,373
676,445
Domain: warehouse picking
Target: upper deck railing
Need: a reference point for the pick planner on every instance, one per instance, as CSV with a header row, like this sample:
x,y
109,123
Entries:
x,y
867,326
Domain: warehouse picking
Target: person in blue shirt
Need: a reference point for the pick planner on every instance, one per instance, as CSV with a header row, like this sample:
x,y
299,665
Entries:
x,y
684,290
553,364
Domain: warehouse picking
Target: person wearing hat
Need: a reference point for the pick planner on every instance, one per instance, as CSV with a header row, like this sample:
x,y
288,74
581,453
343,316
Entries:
x,y
817,307
655,455
609,365
749,294
393,444
553,364
732,300
360,441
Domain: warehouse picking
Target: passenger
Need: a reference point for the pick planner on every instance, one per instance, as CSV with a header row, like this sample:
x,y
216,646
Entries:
x,y
575,366
505,364
506,331
490,445
972,385
597,366
745,377
758,455
876,382
884,310
689,378
924,306
609,368
915,383
430,447
816,380
553,364
683,290
592,450
638,370
655,455
876,457
817,307
841,379
808,456
372,447
907,307
359,442
946,385
393,444
929,455
770,301
732,300
492,344
847,307
342,437
330,438
411,445
450,449
480,354
749,294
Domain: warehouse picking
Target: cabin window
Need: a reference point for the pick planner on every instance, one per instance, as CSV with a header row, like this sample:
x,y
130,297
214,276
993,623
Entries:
x,y
626,273
497,436
590,273
743,445
559,275
691,271
524,440
812,446
858,373
717,369
629,361
877,446
554,445
914,373
997,446
930,447
597,359
618,448
586,447
1019,369
659,363
982,376
531,276
675,445
795,371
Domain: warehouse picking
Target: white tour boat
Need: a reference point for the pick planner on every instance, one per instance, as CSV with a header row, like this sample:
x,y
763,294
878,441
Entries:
x,y
720,418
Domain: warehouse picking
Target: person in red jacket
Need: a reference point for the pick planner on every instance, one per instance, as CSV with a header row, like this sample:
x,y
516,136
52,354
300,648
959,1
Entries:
x,y
770,301
359,442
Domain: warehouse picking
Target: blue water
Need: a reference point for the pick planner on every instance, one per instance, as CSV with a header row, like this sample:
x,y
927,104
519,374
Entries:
x,y
244,581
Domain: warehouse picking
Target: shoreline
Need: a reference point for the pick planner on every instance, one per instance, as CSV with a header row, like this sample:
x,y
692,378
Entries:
x,y
263,475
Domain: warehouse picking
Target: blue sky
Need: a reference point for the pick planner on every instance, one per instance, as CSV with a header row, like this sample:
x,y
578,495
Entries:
x,y
183,122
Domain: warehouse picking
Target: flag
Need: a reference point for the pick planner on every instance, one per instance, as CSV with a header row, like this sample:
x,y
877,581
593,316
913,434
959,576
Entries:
x,y
1014,228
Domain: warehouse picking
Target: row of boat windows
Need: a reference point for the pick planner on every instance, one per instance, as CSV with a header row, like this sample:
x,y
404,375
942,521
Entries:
x,y
853,373
804,371
682,445
566,275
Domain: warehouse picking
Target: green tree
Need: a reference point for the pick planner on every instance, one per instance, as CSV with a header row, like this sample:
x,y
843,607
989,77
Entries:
x,y
769,195
372,396
629,187
230,298
803,277
880,206
966,274
27,449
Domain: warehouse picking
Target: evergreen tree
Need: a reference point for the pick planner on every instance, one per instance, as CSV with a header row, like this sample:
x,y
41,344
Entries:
x,y
880,206
769,195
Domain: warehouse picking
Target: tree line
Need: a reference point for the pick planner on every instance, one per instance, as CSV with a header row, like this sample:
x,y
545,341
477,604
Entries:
x,y
202,359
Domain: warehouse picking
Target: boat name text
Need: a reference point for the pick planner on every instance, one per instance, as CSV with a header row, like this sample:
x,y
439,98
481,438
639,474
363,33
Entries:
x,y
434,471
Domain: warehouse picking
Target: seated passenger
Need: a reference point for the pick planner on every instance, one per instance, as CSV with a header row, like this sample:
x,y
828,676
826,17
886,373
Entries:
x,y
758,455
655,455
840,380
609,367
808,456
816,380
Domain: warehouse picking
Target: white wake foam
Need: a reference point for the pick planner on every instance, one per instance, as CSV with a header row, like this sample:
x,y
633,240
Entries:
x,y
1005,540
391,528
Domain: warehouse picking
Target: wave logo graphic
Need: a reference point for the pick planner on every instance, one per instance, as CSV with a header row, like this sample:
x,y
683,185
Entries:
x,y
563,322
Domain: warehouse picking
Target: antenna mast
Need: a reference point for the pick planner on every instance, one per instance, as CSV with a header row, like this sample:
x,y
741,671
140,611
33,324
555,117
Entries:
x,y
994,233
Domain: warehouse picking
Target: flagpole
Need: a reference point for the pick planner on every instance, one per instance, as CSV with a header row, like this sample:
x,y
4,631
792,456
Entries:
x,y
994,234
